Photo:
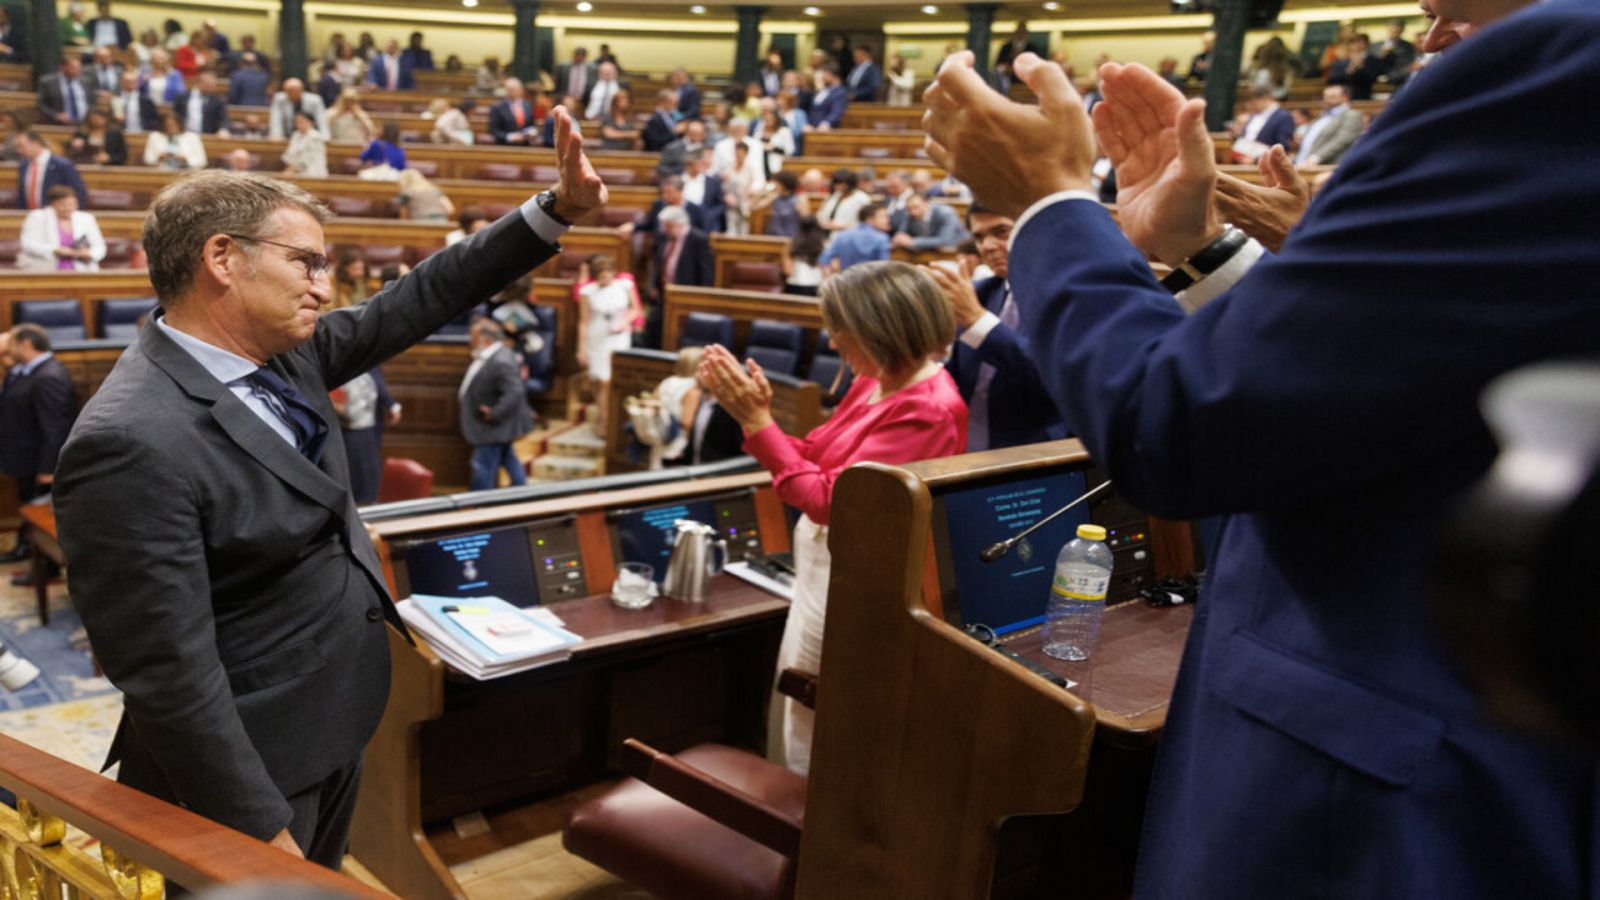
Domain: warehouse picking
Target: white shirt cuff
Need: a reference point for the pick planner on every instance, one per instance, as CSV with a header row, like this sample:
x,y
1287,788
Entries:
x,y
977,331
548,229
1214,285
1040,204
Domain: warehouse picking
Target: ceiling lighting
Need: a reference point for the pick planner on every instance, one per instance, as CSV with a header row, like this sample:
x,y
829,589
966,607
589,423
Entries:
x,y
1052,5
812,11
469,3
697,9
585,6
931,10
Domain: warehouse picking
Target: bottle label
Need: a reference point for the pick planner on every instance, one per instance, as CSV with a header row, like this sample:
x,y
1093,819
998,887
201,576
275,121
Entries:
x,y
1090,584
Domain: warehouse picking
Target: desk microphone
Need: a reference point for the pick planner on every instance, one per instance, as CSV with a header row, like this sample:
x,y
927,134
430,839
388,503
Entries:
x,y
995,551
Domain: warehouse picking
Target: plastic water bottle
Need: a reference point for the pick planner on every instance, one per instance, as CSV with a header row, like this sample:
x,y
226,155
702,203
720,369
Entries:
x,y
1078,595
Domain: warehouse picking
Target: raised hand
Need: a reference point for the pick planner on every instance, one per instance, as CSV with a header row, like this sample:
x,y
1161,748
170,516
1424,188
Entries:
x,y
581,191
1268,210
958,290
1010,154
1158,143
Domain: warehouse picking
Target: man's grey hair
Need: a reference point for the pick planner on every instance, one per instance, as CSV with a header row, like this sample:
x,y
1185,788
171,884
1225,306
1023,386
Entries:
x,y
188,212
674,215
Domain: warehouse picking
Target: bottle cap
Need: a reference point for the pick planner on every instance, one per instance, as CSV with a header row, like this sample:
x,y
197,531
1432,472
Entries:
x,y
1092,532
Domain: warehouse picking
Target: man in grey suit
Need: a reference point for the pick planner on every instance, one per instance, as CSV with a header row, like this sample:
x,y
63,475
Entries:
x,y
223,575
494,407
291,100
577,77
1333,132
66,97
925,225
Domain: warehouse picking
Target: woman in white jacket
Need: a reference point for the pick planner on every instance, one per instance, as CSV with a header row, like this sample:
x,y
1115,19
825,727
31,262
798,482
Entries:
x,y
308,152
174,148
60,236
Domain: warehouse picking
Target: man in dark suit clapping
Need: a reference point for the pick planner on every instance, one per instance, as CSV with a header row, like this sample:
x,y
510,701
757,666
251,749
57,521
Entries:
x,y
511,120
222,572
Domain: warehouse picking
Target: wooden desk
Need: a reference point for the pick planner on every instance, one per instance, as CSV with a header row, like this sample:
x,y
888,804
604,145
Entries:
x,y
39,530
675,674
1129,677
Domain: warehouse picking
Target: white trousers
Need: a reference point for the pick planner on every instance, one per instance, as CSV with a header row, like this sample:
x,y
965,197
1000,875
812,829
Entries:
x,y
802,635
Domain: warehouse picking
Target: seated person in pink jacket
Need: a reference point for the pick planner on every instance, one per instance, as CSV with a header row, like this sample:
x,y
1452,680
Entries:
x,y
891,325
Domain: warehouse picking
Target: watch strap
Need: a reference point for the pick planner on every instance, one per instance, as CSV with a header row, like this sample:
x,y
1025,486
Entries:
x,y
1210,258
547,202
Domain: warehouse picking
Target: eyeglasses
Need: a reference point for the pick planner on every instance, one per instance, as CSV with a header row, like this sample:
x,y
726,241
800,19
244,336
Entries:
x,y
316,264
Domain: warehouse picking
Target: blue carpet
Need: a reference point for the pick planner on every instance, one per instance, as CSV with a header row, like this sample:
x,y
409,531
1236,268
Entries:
x,y
60,649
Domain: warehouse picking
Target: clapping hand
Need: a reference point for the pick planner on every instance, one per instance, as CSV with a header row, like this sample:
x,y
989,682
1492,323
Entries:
x,y
957,288
1010,154
1166,167
1266,211
744,393
581,191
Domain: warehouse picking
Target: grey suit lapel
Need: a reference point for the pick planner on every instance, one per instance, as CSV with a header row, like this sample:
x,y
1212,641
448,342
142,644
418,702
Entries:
x,y
242,425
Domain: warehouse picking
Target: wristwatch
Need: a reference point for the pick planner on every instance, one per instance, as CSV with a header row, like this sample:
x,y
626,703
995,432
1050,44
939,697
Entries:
x,y
547,202
1210,258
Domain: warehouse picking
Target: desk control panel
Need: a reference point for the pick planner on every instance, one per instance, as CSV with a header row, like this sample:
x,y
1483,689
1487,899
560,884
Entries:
x,y
1128,535
557,559
736,524
645,534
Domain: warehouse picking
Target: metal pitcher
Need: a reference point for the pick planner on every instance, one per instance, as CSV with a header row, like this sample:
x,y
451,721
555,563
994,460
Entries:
x,y
693,562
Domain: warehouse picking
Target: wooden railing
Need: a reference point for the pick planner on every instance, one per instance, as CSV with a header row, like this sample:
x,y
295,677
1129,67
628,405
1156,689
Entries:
x,y
143,841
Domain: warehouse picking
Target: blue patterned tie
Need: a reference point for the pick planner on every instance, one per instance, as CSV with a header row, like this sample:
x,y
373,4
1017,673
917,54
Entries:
x,y
310,428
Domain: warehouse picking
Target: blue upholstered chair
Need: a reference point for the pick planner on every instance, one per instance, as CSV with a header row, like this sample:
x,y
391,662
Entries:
x,y
700,329
775,346
62,320
119,316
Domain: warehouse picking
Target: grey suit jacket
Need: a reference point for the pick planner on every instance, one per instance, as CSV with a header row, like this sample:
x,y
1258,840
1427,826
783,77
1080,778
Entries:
x,y
1340,134
51,101
226,582
280,120
498,385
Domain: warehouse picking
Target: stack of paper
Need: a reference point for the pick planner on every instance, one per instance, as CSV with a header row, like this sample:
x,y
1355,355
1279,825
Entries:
x,y
486,637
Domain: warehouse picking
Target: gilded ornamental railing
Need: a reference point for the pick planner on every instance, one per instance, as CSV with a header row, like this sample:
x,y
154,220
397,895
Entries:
x,y
130,840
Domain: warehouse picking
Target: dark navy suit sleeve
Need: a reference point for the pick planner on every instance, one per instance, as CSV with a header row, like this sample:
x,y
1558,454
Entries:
x,y
1447,249
53,409
70,177
1278,130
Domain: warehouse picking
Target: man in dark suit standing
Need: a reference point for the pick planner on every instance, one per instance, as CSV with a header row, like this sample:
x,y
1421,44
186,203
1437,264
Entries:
x,y
828,105
1320,733
684,252
132,108
106,30
1359,70
221,569
390,70
576,77
247,86
41,170
105,72
13,40
1006,403
511,120
66,97
418,57
1269,124
688,94
36,412
201,109
493,407
865,77
662,129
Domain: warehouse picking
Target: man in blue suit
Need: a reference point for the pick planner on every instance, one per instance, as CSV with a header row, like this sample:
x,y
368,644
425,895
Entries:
x,y
1006,403
865,77
688,94
828,105
1321,741
41,170
1269,124
390,71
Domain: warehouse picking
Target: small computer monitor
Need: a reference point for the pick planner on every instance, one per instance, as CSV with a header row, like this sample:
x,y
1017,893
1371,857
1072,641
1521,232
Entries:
x,y
645,535
497,563
1009,594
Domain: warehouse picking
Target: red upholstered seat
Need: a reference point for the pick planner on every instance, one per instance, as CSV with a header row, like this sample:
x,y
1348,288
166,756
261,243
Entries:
x,y
350,206
380,255
427,168
107,199
756,276
500,172
404,479
615,176
672,851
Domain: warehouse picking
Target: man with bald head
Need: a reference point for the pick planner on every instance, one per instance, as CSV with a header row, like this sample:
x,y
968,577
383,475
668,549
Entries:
x,y
289,102
222,572
511,119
